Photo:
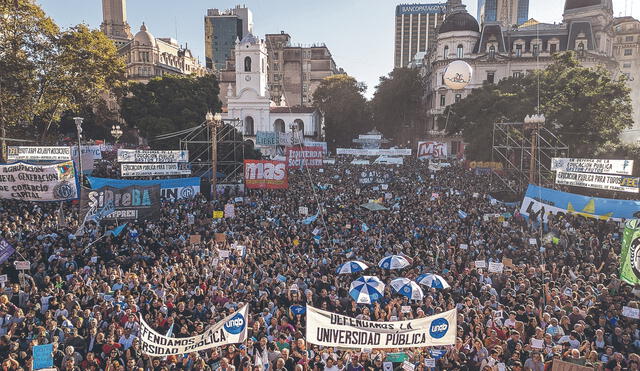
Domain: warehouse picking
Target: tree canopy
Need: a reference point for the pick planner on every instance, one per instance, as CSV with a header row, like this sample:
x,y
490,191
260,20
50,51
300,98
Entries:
x,y
585,107
341,99
170,103
47,72
397,101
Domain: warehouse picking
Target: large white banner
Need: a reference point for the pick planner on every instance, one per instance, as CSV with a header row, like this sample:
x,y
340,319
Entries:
x,y
374,152
231,330
336,330
143,155
599,181
21,181
33,153
591,165
151,169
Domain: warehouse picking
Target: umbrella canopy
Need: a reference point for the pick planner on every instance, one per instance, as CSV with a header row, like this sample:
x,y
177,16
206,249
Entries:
x,y
366,289
393,262
408,288
432,280
352,266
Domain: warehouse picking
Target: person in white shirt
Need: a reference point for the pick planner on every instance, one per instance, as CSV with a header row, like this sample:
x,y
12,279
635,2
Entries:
x,y
330,366
126,340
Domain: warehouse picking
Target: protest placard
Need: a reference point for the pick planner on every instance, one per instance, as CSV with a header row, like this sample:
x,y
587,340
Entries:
x,y
218,214
195,239
220,237
223,254
631,312
507,262
496,267
303,210
480,264
42,356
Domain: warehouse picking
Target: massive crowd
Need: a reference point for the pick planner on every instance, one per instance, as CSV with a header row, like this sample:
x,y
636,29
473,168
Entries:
x,y
557,298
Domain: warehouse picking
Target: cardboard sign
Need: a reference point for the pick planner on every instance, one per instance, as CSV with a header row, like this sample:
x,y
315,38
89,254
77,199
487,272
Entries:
x,y
218,214
496,267
631,312
464,246
221,237
405,309
223,253
195,239
430,362
537,344
408,366
480,264
507,262
22,265
303,210
533,241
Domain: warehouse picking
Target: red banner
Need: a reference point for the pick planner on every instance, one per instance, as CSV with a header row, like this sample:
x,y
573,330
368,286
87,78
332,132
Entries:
x,y
265,174
310,156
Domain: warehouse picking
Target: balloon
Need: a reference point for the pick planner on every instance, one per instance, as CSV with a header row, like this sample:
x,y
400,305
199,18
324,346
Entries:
x,y
457,75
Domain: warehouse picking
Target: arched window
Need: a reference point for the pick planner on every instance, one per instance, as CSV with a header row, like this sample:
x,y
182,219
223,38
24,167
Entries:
x,y
492,52
247,64
446,52
460,51
581,48
279,126
300,124
248,125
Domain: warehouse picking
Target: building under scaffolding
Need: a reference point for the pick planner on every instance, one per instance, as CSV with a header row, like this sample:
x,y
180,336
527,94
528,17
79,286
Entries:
x,y
525,150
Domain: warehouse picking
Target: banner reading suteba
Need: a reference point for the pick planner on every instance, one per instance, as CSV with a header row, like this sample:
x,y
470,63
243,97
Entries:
x,y
332,329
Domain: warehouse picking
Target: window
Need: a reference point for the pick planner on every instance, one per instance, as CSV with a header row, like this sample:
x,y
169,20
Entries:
x,y
517,74
442,79
276,66
628,52
492,52
536,50
454,147
552,48
458,97
491,77
446,52
443,100
300,124
519,50
626,65
275,55
581,48
628,38
248,125
247,64
279,126
460,51
276,77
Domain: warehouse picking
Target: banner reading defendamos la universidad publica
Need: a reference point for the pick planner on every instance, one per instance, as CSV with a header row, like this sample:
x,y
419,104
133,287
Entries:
x,y
336,330
231,330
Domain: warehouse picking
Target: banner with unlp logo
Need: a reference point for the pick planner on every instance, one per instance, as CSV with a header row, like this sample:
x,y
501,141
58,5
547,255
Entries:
x,y
337,330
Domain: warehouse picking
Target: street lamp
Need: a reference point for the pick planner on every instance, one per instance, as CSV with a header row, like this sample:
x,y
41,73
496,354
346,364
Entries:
x,y
116,132
78,121
533,122
214,121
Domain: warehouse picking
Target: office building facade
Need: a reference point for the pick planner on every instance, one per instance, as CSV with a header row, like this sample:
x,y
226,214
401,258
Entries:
x,y
222,28
416,30
506,12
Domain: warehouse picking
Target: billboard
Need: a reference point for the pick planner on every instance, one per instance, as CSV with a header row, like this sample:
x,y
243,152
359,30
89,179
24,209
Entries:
x,y
406,9
591,165
27,182
134,202
170,189
539,202
298,157
143,155
33,153
263,174
154,169
429,150
599,181
374,152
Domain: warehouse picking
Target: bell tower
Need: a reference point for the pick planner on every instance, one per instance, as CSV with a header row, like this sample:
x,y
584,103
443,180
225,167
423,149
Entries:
x,y
251,66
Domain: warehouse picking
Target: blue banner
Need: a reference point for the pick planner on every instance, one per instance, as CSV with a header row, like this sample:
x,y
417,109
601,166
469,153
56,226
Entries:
x,y
42,356
172,189
6,250
539,202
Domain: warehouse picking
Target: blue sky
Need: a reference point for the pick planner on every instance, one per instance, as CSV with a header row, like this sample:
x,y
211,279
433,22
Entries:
x,y
359,33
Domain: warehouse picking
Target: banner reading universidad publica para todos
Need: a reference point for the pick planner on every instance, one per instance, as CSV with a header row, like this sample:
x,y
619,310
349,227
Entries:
x,y
231,330
170,189
337,330
539,202
630,257
28,182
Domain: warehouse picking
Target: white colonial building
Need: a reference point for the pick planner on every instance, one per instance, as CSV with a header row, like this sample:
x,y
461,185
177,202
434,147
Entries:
x,y
248,99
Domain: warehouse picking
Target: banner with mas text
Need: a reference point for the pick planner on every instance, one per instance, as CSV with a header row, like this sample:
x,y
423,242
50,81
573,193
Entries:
x,y
231,330
265,174
337,330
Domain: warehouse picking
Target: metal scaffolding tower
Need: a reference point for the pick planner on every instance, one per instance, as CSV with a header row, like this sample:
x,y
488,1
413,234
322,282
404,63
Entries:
x,y
525,152
230,150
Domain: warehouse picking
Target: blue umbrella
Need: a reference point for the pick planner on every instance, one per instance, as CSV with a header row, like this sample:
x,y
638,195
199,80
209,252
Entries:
x,y
393,262
432,280
408,288
366,289
352,266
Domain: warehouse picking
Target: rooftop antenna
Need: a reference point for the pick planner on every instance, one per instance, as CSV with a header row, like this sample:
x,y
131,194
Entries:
x,y
175,22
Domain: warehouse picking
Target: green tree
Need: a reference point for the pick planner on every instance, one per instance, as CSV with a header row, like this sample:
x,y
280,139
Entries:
x,y
585,107
170,103
46,72
340,98
397,102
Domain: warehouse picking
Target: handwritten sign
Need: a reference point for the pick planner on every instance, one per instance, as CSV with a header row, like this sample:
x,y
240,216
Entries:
x,y
223,253
22,265
496,267
631,312
221,237
218,214
303,210
195,239
480,264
